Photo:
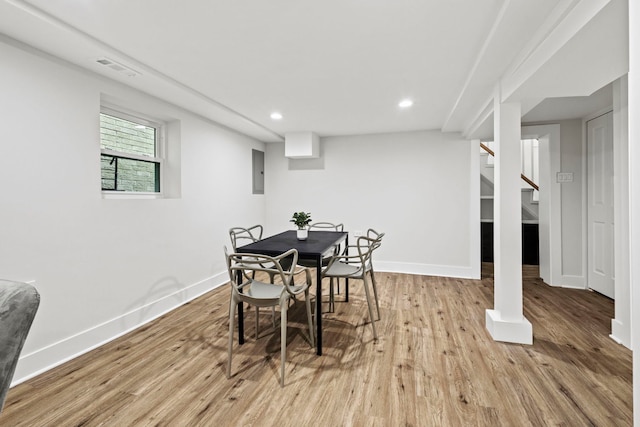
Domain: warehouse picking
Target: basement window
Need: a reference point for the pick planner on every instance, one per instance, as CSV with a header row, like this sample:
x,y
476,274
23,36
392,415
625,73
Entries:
x,y
130,153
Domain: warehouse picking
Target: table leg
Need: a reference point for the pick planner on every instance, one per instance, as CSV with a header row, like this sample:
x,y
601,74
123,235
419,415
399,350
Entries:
x,y
346,280
319,305
240,314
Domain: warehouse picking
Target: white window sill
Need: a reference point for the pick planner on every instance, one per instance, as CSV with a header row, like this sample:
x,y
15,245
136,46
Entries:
x,y
130,195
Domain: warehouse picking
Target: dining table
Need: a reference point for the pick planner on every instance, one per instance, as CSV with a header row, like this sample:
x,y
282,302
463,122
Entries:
x,y
312,248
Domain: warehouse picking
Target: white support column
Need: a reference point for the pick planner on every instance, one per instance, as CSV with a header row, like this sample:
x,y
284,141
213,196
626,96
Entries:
x,y
634,196
621,324
506,321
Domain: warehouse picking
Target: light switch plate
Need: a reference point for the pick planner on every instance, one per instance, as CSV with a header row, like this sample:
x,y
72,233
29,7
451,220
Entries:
x,y
564,177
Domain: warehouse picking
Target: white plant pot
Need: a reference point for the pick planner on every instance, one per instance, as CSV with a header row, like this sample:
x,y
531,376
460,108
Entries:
x,y
302,233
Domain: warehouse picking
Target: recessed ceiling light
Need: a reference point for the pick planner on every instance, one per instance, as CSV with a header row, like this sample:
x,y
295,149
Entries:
x,y
405,103
276,116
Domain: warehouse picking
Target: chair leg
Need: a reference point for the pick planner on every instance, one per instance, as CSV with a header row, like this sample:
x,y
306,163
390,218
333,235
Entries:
x,y
332,307
346,290
232,315
283,339
273,309
309,316
375,291
257,321
366,291
314,313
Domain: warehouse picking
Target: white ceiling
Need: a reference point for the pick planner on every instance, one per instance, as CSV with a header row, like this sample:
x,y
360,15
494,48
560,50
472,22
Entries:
x,y
571,107
334,67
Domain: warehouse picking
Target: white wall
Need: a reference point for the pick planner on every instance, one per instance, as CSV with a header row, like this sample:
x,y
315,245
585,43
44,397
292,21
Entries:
x,y
421,188
572,216
621,325
573,239
105,266
634,196
549,209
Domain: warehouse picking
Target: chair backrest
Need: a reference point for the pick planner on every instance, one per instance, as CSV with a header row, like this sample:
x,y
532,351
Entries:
x,y
329,226
247,264
375,239
18,306
366,246
241,236
373,234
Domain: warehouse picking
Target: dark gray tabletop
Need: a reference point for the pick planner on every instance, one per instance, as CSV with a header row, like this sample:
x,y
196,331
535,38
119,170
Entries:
x,y
315,245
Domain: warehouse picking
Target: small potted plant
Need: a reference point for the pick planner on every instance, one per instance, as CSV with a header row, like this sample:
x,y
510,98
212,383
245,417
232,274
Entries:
x,y
301,220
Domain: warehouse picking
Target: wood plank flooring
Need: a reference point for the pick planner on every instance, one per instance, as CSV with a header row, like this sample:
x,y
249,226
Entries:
x,y
434,365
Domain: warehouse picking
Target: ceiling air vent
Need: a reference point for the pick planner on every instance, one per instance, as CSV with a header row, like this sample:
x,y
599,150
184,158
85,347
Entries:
x,y
117,67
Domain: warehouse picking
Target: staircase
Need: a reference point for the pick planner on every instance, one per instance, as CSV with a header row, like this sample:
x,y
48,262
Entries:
x,y
529,196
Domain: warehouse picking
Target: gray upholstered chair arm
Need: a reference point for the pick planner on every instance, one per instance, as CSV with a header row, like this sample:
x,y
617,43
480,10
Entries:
x,y
18,305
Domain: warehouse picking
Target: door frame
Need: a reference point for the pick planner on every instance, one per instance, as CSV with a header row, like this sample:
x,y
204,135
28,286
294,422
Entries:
x,y
585,192
589,236
549,217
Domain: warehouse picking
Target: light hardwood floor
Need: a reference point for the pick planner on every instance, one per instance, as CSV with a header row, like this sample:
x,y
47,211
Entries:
x,y
434,365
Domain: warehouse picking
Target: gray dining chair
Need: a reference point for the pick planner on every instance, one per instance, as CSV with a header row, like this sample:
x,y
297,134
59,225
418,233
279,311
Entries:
x,y
246,288
373,234
324,226
241,236
18,306
358,266
336,250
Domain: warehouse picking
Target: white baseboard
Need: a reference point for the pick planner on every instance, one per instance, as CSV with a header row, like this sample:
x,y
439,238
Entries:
x,y
463,272
620,333
573,282
44,359
519,332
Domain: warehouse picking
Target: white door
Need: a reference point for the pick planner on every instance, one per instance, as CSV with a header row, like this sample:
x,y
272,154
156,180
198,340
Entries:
x,y
600,204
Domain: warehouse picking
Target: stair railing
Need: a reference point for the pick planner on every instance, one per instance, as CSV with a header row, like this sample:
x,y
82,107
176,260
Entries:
x,y
524,178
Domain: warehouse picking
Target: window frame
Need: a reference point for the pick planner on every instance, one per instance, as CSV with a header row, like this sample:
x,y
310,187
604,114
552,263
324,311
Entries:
x,y
160,150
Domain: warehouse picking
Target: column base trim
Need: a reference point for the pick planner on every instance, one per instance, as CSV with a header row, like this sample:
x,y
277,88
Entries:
x,y
519,332
620,333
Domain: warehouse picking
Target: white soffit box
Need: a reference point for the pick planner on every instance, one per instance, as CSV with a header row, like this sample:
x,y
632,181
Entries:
x,y
301,145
